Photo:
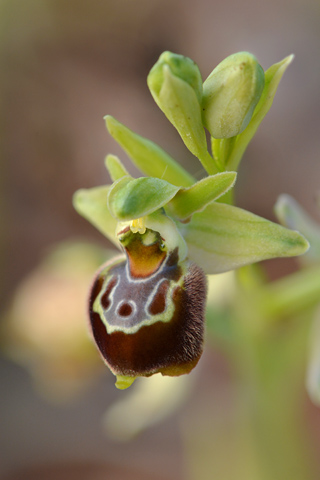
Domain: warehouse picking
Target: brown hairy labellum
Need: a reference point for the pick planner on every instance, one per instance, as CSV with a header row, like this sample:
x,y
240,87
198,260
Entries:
x,y
147,309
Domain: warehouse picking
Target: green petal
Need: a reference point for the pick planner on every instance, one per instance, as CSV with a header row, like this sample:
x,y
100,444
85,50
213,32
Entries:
x,y
194,199
129,199
223,237
92,205
147,156
272,78
115,167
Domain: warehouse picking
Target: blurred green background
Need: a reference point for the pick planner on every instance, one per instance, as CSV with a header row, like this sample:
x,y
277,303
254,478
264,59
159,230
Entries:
x,y
64,65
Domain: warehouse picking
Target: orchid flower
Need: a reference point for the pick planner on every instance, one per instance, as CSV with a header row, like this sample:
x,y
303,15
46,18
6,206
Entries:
x,y
147,305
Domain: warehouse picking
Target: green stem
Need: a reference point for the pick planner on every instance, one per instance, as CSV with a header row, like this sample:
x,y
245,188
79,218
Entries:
x,y
270,383
209,164
227,147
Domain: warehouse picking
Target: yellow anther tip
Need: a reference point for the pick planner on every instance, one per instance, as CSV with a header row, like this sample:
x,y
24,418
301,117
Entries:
x,y
138,226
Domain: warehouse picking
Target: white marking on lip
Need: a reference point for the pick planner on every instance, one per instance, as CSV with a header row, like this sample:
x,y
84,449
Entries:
x,y
126,302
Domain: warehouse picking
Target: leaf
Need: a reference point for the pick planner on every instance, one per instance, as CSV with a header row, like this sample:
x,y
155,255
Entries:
x,y
147,156
223,237
195,198
92,205
134,198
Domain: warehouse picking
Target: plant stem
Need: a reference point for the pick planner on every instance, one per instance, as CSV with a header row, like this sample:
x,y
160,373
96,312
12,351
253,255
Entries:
x,y
270,372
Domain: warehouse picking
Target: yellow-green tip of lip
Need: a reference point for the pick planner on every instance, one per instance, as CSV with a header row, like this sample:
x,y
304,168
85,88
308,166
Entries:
x,y
124,382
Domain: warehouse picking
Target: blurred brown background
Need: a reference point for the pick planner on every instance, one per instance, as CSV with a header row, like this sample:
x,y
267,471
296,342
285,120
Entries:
x,y
66,64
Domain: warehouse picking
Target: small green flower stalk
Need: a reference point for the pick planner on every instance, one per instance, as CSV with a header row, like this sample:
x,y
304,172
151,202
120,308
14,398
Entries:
x,y
147,306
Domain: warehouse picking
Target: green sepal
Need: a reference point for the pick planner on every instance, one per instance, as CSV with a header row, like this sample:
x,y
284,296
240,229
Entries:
x,y
179,102
115,167
152,160
272,78
292,215
223,237
195,198
129,198
230,95
92,205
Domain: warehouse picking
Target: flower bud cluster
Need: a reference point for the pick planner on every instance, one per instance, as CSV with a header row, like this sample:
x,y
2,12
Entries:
x,y
227,98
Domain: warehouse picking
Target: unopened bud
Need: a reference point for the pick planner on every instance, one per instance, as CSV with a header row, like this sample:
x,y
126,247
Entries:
x,y
230,95
176,86
179,66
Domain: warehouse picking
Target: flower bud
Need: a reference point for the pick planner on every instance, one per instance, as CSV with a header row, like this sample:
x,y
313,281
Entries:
x,y
230,95
147,309
176,86
181,67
